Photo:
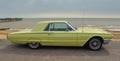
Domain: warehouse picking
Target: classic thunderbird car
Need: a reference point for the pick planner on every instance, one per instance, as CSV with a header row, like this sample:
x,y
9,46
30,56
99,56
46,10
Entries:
x,y
61,33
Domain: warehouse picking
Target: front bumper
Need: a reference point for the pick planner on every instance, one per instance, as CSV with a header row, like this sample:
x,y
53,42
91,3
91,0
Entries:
x,y
106,41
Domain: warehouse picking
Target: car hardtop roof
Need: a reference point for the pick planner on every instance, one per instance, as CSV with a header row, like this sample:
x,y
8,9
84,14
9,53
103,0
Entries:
x,y
52,21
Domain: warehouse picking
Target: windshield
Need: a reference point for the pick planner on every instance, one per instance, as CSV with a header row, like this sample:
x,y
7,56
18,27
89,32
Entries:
x,y
73,27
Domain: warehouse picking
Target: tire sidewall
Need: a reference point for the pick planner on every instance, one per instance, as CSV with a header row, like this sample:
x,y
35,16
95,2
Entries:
x,y
99,44
34,46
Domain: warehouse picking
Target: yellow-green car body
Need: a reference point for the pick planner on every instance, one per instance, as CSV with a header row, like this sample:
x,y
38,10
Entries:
x,y
51,33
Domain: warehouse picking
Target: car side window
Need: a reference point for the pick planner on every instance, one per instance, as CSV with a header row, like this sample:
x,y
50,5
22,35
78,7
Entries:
x,y
47,27
51,27
58,27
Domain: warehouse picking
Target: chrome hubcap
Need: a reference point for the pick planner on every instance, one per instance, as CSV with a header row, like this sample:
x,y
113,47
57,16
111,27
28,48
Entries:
x,y
34,45
95,44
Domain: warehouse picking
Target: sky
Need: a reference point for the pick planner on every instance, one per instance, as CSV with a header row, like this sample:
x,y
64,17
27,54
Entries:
x,y
60,8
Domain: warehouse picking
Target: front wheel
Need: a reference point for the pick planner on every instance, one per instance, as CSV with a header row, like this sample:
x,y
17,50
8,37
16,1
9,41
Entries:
x,y
95,44
34,45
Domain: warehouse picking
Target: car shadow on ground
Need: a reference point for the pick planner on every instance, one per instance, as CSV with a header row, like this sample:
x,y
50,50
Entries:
x,y
52,51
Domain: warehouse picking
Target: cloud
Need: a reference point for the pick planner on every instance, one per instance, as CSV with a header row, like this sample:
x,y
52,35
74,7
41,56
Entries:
x,y
60,8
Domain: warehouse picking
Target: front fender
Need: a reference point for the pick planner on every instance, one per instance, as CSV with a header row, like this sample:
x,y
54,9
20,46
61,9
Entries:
x,y
83,38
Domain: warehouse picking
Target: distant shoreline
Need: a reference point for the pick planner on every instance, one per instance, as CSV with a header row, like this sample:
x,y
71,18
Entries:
x,y
10,19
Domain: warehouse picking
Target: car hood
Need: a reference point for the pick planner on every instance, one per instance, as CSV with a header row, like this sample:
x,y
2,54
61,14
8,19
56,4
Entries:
x,y
91,30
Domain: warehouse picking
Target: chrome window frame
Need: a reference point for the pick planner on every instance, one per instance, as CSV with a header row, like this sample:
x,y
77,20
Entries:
x,y
70,26
62,22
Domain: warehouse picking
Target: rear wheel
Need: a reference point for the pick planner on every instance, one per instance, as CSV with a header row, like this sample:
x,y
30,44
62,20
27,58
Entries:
x,y
34,45
95,44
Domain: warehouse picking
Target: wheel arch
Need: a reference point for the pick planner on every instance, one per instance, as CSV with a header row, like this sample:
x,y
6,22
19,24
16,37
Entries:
x,y
102,40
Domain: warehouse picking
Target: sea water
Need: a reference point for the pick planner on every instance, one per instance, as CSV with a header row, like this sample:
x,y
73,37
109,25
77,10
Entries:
x,y
106,23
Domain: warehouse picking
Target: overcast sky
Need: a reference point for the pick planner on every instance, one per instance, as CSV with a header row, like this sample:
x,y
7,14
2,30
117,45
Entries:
x,y
60,8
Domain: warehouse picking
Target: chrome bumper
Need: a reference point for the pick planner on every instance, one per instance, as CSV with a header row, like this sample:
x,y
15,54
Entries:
x,y
106,41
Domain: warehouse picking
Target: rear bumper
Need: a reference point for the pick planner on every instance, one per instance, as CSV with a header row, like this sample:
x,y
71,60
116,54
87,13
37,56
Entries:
x,y
106,41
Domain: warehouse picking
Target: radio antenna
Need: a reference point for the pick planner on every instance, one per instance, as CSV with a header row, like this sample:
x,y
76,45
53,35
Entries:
x,y
83,22
83,16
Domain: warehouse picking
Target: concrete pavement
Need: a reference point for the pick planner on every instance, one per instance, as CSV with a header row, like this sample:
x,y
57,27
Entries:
x,y
12,52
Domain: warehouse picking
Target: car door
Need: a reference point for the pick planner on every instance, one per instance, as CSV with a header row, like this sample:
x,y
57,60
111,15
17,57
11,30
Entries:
x,y
60,34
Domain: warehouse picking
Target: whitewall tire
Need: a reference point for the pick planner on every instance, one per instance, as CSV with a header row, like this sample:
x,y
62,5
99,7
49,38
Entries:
x,y
95,44
34,45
